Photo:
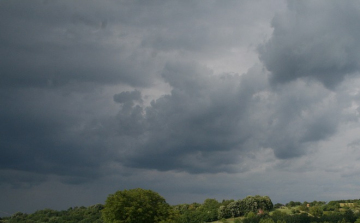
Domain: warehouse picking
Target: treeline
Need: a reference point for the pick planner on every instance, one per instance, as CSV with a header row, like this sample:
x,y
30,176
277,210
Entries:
x,y
90,214
145,206
320,207
212,210
117,204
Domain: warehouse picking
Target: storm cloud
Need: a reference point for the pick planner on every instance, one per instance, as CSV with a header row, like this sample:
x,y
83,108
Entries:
x,y
177,97
208,122
315,40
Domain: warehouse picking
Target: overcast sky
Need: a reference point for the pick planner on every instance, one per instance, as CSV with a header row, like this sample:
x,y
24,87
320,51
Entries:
x,y
191,99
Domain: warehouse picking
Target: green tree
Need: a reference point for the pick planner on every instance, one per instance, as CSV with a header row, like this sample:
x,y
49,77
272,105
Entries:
x,y
349,216
316,211
290,204
209,210
190,216
304,207
135,206
223,212
251,215
278,215
234,209
255,203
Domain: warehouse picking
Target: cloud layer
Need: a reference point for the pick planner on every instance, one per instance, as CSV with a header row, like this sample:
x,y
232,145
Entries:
x,y
178,97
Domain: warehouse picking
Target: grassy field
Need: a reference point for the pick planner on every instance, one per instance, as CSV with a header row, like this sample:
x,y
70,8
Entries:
x,y
229,220
287,210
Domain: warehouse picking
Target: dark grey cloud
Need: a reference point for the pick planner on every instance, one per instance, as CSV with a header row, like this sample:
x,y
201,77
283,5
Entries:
x,y
101,96
304,113
209,123
189,128
45,133
128,96
21,179
315,40
53,44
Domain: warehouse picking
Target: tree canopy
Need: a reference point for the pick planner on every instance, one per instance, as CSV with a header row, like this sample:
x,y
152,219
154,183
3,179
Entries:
x,y
136,205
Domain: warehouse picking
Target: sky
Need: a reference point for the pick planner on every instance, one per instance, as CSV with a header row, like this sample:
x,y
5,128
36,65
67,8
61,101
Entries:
x,y
190,99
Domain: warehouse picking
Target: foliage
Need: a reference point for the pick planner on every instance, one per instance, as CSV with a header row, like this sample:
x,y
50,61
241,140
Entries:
x,y
293,204
234,209
251,215
255,203
317,203
316,211
209,210
304,207
278,214
226,202
350,216
139,202
266,220
136,205
331,206
77,214
223,212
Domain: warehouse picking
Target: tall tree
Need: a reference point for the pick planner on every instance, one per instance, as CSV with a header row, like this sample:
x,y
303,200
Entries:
x,y
136,205
255,203
234,209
